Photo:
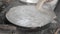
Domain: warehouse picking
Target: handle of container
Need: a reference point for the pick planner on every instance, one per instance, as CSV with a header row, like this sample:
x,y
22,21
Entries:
x,y
40,4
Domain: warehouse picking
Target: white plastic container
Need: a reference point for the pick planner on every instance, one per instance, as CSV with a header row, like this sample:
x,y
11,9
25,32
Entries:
x,y
30,1
29,16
